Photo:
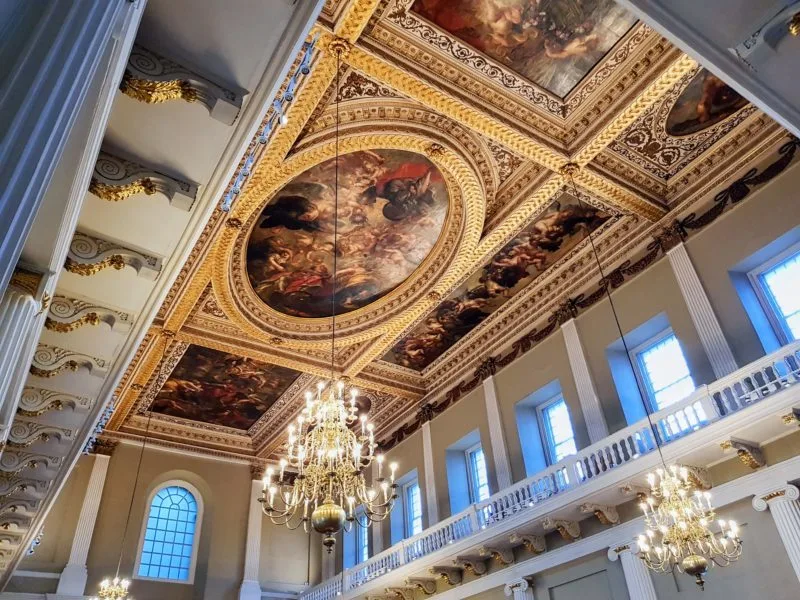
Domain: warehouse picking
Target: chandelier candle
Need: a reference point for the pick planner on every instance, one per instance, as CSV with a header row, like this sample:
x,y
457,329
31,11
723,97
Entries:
x,y
329,490
678,519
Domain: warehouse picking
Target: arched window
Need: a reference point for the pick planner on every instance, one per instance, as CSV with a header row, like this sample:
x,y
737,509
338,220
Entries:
x,y
168,546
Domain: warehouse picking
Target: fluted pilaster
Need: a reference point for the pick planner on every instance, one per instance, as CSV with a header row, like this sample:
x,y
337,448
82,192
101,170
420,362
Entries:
x,y
251,588
784,507
637,576
502,464
587,394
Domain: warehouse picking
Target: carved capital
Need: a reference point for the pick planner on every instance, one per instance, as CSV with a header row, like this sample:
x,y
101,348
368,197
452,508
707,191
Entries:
x,y
89,255
26,281
607,515
116,178
104,446
426,412
533,543
569,530
68,314
487,368
519,585
783,493
153,79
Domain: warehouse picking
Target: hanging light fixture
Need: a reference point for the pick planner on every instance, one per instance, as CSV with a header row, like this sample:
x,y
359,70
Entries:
x,y
678,516
116,588
330,446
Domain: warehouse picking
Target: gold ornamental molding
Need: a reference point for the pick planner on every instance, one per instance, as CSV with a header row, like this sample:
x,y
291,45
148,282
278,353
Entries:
x,y
51,361
153,79
26,281
89,255
116,179
36,401
453,252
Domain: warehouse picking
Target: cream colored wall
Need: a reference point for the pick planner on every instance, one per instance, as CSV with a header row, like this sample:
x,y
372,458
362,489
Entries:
x,y
285,556
544,363
467,415
767,214
225,490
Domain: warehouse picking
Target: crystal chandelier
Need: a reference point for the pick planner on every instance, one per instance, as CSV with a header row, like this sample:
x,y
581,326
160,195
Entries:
x,y
114,589
330,447
678,519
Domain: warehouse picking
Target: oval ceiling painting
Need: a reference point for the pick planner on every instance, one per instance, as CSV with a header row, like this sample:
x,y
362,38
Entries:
x,y
392,207
706,101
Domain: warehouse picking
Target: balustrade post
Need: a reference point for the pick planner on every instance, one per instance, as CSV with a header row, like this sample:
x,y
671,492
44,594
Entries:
x,y
474,521
708,405
345,580
401,560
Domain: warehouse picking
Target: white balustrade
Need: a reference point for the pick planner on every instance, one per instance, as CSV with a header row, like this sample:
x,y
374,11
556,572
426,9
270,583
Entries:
x,y
707,404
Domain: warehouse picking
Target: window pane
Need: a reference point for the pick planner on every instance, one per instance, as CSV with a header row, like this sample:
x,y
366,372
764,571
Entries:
x,y
173,505
666,371
362,542
783,286
561,438
478,476
413,509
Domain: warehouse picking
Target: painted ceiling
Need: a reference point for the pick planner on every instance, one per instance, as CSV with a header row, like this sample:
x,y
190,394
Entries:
x,y
459,226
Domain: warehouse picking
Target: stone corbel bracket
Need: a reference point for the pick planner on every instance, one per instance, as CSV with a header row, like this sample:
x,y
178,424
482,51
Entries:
x,y
533,543
21,506
115,179
450,575
607,515
474,564
793,418
505,556
749,453
14,463
406,593
37,401
50,361
631,490
152,78
88,255
24,433
68,314
15,522
698,476
569,530
426,584
29,487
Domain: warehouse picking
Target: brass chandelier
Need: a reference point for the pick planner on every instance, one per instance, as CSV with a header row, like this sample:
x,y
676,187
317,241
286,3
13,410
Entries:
x,y
678,517
113,589
330,447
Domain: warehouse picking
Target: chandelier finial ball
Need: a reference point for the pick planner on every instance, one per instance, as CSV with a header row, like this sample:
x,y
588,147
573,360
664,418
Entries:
x,y
696,566
328,518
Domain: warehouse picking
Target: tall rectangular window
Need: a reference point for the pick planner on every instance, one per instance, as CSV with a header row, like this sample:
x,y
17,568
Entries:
x,y
557,429
663,371
478,478
362,541
779,288
412,505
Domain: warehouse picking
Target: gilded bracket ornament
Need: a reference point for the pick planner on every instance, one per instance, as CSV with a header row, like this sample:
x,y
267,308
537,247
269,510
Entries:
x,y
533,543
406,593
89,255
37,401
15,522
569,530
699,477
749,453
153,79
426,584
13,462
24,433
33,487
50,361
450,575
474,564
793,418
505,556
68,314
607,515
116,178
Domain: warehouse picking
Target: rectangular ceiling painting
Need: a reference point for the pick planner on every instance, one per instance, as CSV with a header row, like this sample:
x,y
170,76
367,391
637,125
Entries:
x,y
537,247
221,389
553,43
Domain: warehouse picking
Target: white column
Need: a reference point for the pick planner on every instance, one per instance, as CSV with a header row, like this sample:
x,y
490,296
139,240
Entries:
x,y
785,509
520,589
52,53
430,478
502,464
73,578
328,563
377,528
705,321
251,588
590,403
18,310
637,575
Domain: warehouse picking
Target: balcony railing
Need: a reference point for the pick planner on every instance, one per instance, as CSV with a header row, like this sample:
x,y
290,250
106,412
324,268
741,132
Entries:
x,y
707,404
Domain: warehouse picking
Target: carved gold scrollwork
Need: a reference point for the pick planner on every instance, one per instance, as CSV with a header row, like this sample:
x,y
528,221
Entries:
x,y
156,92
115,261
115,193
91,318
